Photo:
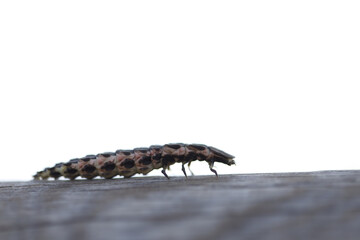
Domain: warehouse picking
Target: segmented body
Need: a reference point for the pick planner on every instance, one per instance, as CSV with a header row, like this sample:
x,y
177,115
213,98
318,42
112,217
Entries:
x,y
139,160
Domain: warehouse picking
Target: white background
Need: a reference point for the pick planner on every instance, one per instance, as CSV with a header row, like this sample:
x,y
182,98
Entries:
x,y
275,83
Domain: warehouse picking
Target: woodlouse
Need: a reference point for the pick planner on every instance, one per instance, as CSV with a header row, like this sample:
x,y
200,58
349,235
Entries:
x,y
139,160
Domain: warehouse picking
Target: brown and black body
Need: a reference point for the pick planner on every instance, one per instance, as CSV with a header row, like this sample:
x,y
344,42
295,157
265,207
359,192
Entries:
x,y
70,169
125,163
105,164
86,167
139,160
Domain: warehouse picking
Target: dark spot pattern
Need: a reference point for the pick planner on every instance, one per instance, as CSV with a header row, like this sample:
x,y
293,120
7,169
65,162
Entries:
x,y
55,174
142,150
155,147
128,163
58,165
89,168
199,147
168,160
74,160
71,170
174,146
108,166
88,158
125,152
191,156
106,154
157,156
146,160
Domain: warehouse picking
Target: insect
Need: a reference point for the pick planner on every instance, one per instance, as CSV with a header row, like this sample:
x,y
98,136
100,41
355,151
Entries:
x,y
139,160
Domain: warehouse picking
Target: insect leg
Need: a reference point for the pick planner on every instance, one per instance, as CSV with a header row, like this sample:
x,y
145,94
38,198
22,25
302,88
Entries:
x,y
211,165
183,169
192,174
163,172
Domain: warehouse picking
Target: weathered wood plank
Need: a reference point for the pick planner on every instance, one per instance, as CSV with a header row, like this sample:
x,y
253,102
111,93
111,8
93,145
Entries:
x,y
316,205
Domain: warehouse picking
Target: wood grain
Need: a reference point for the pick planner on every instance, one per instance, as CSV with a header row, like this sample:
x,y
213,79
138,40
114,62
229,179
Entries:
x,y
314,205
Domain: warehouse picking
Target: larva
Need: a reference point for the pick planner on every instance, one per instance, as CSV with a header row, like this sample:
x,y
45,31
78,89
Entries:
x,y
139,160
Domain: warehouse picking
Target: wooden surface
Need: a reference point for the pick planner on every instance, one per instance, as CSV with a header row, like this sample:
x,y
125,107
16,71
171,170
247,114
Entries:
x,y
317,205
